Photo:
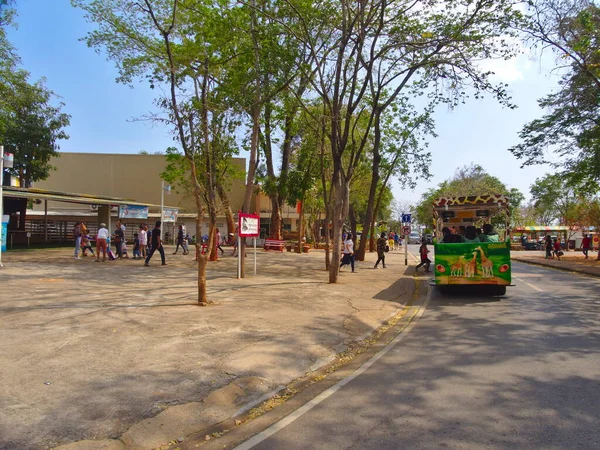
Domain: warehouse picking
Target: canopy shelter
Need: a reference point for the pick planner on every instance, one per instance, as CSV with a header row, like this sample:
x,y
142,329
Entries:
x,y
69,197
103,203
536,229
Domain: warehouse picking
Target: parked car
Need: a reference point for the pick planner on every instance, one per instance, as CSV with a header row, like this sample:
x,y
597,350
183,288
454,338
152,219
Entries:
x,y
414,238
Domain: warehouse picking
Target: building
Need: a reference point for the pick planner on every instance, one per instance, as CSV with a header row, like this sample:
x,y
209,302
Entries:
x,y
136,177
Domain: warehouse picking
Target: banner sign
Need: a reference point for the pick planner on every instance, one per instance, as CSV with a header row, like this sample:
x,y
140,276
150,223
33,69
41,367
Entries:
x,y
133,212
170,215
249,225
3,233
479,263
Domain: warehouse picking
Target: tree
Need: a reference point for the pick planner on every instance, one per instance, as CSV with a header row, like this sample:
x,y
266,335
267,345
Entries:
x,y
467,180
185,47
31,121
33,128
571,127
366,54
554,196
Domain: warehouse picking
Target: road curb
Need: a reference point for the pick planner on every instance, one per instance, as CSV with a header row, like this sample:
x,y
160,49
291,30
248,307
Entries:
x,y
564,269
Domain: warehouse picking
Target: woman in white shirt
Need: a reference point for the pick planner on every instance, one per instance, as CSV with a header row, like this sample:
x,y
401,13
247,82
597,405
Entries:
x,y
101,238
348,252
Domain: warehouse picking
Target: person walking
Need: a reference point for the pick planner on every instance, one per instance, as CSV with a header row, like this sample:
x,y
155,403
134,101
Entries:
x,y
101,238
179,241
77,238
156,245
382,247
425,261
118,236
218,242
585,245
348,252
136,247
548,247
557,248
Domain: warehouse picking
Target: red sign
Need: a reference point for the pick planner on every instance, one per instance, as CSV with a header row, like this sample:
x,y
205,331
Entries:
x,y
405,230
249,225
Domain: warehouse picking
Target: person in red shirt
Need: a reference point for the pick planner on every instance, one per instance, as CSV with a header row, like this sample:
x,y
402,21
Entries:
x,y
557,249
425,261
585,245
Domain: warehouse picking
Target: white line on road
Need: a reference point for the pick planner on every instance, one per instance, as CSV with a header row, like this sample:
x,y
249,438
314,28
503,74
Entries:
x,y
532,286
333,389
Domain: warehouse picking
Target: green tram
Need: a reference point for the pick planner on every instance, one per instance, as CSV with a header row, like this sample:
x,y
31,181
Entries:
x,y
486,263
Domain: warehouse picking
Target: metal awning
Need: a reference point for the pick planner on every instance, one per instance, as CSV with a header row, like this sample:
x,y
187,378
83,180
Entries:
x,y
70,197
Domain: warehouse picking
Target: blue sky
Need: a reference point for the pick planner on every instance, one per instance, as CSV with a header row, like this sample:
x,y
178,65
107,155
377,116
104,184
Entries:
x,y
47,39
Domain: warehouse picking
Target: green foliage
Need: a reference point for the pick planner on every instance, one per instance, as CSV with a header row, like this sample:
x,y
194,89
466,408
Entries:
x,y
570,128
467,180
557,200
31,123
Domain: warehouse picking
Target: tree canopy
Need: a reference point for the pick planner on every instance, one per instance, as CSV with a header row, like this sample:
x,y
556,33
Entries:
x,y
31,120
571,127
467,180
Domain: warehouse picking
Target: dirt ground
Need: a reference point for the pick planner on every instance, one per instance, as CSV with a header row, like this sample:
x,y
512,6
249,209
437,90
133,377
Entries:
x,y
90,349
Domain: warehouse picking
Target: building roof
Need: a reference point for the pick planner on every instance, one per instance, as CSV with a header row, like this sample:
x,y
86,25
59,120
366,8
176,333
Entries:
x,y
70,197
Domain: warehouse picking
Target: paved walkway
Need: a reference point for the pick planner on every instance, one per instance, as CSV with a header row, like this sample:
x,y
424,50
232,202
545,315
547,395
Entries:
x,y
121,354
571,261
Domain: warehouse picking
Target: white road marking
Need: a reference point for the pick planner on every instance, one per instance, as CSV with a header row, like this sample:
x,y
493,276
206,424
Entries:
x,y
532,286
255,440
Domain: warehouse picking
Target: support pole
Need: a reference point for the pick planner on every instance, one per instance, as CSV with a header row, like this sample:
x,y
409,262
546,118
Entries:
x,y
406,249
162,205
46,220
255,256
239,261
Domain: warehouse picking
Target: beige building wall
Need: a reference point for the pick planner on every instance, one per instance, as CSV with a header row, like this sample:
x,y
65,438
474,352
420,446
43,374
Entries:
x,y
135,177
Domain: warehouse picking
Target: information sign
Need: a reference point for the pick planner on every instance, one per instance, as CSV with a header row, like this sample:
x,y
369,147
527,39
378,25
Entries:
x,y
406,218
170,215
249,225
133,212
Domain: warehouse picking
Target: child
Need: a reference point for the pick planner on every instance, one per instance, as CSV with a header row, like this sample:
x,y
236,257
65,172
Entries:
x,y
425,261
186,240
136,247
86,245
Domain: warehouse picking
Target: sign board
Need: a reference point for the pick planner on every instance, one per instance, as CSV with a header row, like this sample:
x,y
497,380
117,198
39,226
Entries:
x,y
133,212
3,232
170,215
406,230
406,218
249,225
8,160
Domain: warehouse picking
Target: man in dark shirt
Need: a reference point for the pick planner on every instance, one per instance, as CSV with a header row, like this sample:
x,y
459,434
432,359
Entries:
x,y
156,245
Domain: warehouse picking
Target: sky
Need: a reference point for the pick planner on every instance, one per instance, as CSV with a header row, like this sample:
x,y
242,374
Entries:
x,y
105,115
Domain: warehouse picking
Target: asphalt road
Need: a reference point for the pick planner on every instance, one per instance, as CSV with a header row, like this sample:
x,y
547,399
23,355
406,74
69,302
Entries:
x,y
522,371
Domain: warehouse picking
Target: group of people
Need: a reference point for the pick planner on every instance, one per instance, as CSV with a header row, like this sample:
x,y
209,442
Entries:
x,y
384,245
145,242
553,247
470,234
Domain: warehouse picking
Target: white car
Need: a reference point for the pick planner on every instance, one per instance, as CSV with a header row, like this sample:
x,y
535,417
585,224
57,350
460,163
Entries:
x,y
414,238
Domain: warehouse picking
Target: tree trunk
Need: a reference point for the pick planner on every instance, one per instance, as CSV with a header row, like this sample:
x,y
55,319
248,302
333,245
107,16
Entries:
x,y
368,221
228,212
300,226
353,227
275,231
341,192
